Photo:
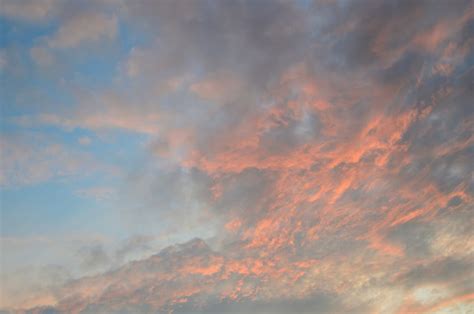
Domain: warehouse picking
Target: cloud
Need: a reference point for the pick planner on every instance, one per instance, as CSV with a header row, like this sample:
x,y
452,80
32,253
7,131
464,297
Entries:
x,y
42,56
107,111
133,245
33,267
3,59
218,88
31,159
93,257
192,262
79,25
29,10
321,147
99,193
84,28
85,140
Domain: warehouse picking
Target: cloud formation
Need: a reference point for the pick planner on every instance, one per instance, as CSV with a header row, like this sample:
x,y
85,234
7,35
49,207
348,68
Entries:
x,y
328,144
31,158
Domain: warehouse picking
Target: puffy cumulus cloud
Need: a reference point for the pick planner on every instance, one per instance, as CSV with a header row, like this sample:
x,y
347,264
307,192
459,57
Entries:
x,y
330,142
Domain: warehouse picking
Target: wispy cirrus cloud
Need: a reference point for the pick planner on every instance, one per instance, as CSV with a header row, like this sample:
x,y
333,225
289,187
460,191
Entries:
x,y
84,28
31,158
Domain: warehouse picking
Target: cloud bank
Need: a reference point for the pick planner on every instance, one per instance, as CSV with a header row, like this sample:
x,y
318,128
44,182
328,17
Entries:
x,y
328,145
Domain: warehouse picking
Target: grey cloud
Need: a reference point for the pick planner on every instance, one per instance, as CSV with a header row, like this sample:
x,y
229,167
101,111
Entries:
x,y
295,133
243,192
133,245
44,310
404,70
116,296
415,237
55,274
28,10
215,32
455,201
383,25
93,257
318,303
457,273
451,172
170,192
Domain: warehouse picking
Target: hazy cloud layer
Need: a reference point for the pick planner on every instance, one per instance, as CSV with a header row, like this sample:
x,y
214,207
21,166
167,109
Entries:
x,y
32,158
326,147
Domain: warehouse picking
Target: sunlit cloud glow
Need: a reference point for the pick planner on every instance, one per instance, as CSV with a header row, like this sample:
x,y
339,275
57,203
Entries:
x,y
237,156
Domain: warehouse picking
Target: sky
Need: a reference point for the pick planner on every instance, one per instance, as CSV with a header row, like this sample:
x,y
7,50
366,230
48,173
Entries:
x,y
209,156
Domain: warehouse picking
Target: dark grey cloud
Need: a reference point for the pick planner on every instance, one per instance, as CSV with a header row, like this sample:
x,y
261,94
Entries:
x,y
378,27
415,237
457,274
272,34
318,303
